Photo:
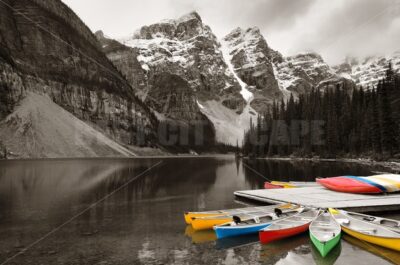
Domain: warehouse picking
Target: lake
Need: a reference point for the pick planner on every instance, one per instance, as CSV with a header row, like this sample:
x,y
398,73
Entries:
x,y
106,211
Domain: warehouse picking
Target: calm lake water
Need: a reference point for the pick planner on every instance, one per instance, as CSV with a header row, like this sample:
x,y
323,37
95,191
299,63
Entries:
x,y
142,222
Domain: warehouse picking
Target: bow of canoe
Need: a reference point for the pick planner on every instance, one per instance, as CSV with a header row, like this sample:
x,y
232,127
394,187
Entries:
x,y
269,236
289,226
325,233
230,231
392,243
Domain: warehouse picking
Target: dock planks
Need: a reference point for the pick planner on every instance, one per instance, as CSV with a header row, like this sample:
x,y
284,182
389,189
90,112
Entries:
x,y
320,197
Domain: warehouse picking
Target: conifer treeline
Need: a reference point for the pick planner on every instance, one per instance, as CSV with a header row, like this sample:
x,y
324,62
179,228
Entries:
x,y
335,122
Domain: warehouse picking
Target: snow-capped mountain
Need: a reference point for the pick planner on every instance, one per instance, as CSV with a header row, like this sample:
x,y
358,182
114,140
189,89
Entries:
x,y
298,74
271,76
368,71
188,48
252,61
185,48
225,81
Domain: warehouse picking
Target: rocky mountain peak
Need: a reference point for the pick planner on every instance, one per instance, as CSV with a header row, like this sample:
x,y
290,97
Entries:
x,y
239,35
185,27
252,37
190,16
252,60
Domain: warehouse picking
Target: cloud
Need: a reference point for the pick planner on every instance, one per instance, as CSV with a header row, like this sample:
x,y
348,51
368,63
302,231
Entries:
x,y
224,14
342,28
334,29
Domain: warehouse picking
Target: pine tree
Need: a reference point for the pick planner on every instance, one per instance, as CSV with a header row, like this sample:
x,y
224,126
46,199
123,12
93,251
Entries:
x,y
374,124
363,121
387,125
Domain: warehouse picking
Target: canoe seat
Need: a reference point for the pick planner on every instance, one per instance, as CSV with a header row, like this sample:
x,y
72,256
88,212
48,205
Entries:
x,y
322,228
318,224
368,231
344,221
369,218
390,223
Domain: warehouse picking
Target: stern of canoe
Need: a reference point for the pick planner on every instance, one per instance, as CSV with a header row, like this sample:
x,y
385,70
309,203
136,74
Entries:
x,y
325,247
190,215
209,223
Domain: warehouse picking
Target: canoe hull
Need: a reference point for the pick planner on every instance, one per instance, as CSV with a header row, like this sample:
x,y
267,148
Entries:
x,y
204,224
349,185
272,235
285,185
189,216
325,247
269,186
223,232
392,243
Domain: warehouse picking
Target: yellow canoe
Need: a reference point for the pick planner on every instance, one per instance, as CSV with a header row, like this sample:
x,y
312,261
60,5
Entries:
x,y
295,184
203,223
208,222
189,216
368,232
285,185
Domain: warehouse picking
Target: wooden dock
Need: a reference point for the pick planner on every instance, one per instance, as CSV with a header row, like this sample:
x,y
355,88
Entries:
x,y
320,197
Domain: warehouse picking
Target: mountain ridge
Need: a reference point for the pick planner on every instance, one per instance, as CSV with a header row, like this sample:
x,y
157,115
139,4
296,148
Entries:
x,y
259,73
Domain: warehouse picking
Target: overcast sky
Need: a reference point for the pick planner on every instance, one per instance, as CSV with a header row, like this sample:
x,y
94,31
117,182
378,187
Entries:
x,y
333,28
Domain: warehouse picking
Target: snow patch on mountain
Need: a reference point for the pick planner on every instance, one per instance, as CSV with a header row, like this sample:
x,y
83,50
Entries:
x,y
160,50
283,82
311,64
225,50
299,73
368,71
246,40
251,60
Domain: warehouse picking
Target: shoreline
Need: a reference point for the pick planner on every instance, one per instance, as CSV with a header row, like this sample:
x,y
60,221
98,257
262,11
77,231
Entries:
x,y
390,165
117,158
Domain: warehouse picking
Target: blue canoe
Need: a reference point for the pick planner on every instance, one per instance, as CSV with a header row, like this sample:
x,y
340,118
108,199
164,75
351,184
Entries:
x,y
229,231
250,226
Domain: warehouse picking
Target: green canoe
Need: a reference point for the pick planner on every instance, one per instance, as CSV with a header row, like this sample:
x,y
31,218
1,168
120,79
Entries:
x,y
325,233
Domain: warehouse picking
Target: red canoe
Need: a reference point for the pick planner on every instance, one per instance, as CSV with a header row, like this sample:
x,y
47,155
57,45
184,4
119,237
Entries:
x,y
268,185
350,184
287,227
